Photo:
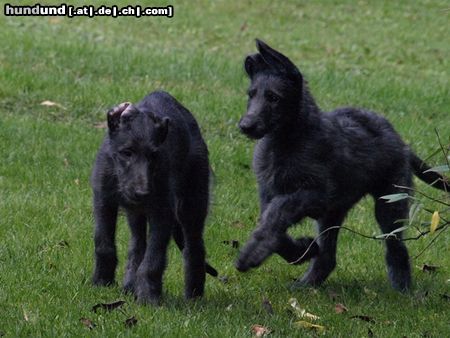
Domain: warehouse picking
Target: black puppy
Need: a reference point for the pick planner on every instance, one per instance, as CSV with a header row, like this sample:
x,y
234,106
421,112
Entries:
x,y
153,163
314,164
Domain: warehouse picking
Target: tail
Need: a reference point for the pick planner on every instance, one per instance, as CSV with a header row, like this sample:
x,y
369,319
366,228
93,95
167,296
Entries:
x,y
432,178
179,240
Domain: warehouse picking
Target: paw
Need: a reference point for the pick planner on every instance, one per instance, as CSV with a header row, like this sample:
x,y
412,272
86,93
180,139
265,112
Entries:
x,y
308,280
145,296
99,280
254,253
103,282
129,281
128,288
317,273
146,291
400,279
193,294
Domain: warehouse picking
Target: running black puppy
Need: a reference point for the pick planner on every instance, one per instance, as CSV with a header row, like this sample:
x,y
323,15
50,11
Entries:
x,y
314,164
153,163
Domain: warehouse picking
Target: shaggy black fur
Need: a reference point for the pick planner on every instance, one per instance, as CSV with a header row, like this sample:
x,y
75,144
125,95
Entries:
x,y
314,164
153,163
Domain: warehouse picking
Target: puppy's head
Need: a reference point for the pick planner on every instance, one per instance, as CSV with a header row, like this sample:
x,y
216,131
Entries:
x,y
136,139
274,92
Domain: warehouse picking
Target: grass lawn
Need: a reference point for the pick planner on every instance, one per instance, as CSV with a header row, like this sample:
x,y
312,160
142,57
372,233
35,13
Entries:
x,y
391,57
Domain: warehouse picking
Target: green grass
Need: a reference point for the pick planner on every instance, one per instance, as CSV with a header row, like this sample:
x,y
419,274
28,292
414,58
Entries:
x,y
392,57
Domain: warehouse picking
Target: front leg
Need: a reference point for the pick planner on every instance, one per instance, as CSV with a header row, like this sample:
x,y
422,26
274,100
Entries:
x,y
138,226
105,214
282,212
148,286
293,251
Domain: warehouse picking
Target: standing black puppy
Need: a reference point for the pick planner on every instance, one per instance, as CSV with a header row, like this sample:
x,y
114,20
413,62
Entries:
x,y
153,163
314,164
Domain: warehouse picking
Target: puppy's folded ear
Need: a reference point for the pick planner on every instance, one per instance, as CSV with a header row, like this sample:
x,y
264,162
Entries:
x,y
278,60
113,116
161,130
254,63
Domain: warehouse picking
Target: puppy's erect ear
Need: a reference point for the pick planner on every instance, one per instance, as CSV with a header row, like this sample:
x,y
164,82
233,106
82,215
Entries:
x,y
278,60
254,63
114,114
128,114
161,130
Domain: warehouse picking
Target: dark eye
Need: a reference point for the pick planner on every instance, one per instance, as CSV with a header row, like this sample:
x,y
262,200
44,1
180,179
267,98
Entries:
x,y
126,153
272,97
251,93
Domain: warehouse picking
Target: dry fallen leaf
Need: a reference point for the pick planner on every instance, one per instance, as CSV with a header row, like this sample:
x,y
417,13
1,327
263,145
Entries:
x,y
25,316
238,224
372,294
421,295
300,312
308,325
340,308
267,305
48,103
445,296
364,318
434,222
108,306
259,330
54,20
429,268
100,125
243,26
233,243
130,322
88,323
333,295
63,244
224,279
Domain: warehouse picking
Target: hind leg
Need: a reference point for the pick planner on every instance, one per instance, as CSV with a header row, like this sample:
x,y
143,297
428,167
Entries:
x,y
194,199
194,263
397,258
322,265
136,250
194,252
179,241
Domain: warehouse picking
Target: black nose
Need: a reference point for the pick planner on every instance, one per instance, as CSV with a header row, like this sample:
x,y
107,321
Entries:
x,y
141,193
246,126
